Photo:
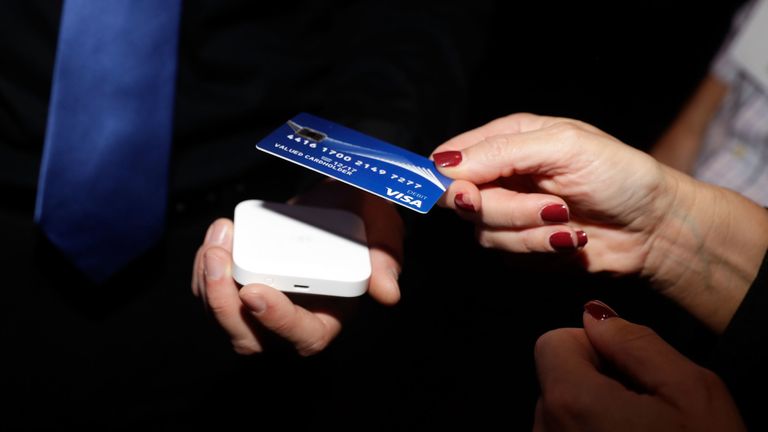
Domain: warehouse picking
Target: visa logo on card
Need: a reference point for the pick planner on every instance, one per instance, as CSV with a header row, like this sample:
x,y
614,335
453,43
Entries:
x,y
380,168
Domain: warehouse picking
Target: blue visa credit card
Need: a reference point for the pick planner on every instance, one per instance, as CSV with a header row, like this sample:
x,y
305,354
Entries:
x,y
380,168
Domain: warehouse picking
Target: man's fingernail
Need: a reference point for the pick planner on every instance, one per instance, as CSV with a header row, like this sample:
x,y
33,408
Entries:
x,y
219,235
214,267
209,234
554,213
447,158
255,302
463,202
599,310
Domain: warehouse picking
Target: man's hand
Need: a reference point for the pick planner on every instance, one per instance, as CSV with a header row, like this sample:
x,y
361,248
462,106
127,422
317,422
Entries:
x,y
255,312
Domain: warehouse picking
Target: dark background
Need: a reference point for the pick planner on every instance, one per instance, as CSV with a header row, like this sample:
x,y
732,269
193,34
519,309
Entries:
x,y
625,67
458,349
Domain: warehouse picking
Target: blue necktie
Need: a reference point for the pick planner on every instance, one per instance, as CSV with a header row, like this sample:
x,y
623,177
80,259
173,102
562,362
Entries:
x,y
103,178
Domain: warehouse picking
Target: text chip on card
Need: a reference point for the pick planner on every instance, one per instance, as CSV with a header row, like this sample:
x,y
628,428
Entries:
x,y
380,168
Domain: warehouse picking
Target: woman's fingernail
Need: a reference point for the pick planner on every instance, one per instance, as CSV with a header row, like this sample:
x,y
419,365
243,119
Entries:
x,y
599,310
447,158
463,203
581,236
214,267
561,241
554,213
255,302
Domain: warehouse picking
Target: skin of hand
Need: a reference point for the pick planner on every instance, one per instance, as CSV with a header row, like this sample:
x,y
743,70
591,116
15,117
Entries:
x,y
255,313
615,375
698,244
679,146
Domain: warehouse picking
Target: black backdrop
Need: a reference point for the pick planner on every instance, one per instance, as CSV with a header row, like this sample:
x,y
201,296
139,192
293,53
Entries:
x,y
626,67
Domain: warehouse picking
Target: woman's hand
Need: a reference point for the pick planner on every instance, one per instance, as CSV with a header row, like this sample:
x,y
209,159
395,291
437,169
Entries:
x,y
614,375
546,184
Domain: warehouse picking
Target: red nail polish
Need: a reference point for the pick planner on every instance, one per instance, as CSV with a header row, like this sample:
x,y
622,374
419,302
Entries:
x,y
581,236
447,158
599,310
554,213
462,203
562,241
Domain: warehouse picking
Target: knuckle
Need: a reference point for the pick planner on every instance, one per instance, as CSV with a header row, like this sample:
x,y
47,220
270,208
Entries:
x,y
217,307
568,131
282,324
493,148
711,382
529,243
245,347
544,342
709,378
484,238
636,338
564,402
509,216
551,342
314,346
638,334
218,304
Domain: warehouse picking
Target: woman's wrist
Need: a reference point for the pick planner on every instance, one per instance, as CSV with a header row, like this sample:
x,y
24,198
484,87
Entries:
x,y
707,249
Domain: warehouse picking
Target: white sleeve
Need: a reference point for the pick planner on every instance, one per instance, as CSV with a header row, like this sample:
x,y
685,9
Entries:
x,y
723,65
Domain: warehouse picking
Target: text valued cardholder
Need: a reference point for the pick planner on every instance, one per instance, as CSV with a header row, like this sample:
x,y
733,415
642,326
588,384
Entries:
x,y
380,168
